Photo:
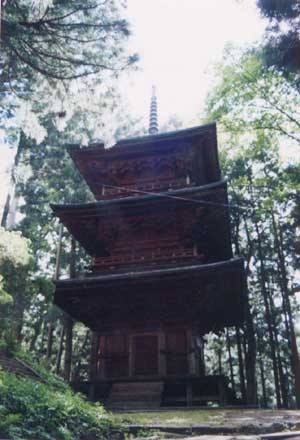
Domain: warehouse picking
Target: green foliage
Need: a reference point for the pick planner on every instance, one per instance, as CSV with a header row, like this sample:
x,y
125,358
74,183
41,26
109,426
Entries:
x,y
14,248
33,410
63,39
282,42
60,60
41,367
249,97
257,112
5,298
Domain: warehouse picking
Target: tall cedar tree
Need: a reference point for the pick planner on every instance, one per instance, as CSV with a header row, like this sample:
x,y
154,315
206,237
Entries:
x,y
61,39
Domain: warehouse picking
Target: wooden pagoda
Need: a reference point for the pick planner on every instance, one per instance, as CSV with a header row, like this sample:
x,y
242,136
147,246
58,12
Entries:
x,y
163,274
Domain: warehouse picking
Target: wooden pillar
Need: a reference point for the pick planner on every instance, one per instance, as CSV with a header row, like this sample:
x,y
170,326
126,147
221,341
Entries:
x,y
222,391
93,363
162,367
101,373
191,352
130,355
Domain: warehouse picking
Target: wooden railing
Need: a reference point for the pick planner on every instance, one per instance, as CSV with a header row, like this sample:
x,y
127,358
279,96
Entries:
x,y
144,256
126,190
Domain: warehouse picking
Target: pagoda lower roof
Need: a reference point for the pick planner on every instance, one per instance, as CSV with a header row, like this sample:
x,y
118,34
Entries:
x,y
146,273
208,295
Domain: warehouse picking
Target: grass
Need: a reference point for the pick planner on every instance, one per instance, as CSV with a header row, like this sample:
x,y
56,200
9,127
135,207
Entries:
x,y
170,418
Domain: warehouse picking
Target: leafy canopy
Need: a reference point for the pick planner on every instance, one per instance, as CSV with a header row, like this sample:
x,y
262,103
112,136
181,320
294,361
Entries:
x,y
250,97
282,45
14,249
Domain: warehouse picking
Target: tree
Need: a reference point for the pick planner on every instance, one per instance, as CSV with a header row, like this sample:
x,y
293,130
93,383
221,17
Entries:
x,y
58,58
15,260
61,39
257,112
249,97
282,45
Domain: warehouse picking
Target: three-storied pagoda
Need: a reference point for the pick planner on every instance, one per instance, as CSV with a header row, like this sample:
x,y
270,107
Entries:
x,y
163,274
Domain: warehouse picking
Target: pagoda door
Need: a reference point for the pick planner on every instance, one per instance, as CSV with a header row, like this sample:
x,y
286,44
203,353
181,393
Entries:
x,y
145,355
116,356
176,350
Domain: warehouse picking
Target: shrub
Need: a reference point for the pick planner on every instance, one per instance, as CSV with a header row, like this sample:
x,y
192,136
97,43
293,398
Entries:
x,y
31,410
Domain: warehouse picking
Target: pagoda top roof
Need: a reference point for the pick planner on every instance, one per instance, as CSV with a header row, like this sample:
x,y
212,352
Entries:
x,y
156,163
145,140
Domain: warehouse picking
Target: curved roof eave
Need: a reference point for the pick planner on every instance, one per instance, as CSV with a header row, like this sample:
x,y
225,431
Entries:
x,y
134,199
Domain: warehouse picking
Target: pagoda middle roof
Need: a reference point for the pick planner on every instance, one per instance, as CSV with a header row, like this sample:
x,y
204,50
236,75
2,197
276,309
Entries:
x,y
141,199
186,205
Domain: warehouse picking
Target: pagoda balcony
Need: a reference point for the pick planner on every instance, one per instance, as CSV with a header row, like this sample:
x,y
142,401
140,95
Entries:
x,y
189,225
145,186
159,255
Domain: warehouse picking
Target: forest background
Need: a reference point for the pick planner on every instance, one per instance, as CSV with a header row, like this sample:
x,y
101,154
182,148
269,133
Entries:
x,y
61,69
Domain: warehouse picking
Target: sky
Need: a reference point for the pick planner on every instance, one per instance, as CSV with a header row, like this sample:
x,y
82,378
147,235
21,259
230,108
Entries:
x,y
178,42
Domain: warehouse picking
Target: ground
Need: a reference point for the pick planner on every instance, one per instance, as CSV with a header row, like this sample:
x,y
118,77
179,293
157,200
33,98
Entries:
x,y
210,424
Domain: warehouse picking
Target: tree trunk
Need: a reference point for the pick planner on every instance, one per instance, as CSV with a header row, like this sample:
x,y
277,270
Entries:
x,y
60,350
263,282
5,211
49,342
68,326
11,194
58,252
263,383
230,360
279,361
68,322
219,353
241,364
295,361
76,369
36,333
18,318
250,350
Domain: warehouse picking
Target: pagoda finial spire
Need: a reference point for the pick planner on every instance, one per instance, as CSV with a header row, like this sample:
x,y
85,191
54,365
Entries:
x,y
153,124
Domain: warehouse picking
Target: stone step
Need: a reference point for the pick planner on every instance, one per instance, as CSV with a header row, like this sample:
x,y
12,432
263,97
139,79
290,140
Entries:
x,y
132,405
138,387
135,395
